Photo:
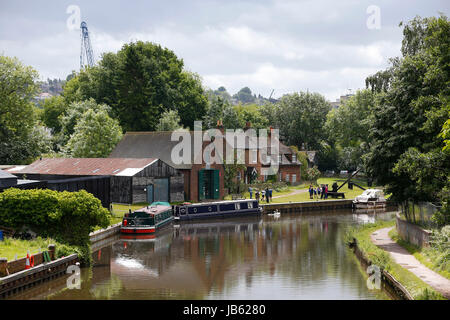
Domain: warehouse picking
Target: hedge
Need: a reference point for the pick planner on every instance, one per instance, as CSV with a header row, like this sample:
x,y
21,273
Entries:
x,y
68,217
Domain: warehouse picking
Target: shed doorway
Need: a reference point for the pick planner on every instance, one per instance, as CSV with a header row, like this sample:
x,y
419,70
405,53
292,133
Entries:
x,y
161,190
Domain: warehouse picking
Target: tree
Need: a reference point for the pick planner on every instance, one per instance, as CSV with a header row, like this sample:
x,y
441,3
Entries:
x,y
301,117
54,108
410,114
251,113
95,135
312,174
140,82
220,92
169,121
20,139
75,111
347,126
244,95
445,134
220,109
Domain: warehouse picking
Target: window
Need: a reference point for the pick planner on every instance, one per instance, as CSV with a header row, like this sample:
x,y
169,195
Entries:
x,y
279,158
294,178
254,156
238,175
287,177
294,158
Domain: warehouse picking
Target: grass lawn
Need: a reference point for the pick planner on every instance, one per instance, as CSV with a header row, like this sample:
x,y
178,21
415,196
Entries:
x,y
10,247
286,191
349,194
118,210
415,286
429,257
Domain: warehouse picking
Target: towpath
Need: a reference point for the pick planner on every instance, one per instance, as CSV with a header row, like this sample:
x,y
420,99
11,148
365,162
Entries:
x,y
408,261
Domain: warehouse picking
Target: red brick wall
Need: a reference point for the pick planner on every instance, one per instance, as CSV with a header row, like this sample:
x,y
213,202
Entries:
x,y
284,170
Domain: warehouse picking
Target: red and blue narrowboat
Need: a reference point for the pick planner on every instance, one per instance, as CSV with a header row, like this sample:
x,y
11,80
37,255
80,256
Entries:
x,y
147,220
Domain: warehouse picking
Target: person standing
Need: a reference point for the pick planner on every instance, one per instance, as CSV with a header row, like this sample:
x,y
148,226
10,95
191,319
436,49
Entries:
x,y
317,190
267,194
263,193
270,193
257,194
250,190
311,191
326,191
322,195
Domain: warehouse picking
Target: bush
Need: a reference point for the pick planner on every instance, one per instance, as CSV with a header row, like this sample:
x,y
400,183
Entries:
x,y
68,217
83,252
312,174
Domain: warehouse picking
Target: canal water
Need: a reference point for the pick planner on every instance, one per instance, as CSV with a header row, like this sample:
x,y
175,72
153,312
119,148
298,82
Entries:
x,y
295,256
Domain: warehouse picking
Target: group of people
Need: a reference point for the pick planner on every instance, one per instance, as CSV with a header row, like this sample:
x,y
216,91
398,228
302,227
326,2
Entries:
x,y
319,192
267,194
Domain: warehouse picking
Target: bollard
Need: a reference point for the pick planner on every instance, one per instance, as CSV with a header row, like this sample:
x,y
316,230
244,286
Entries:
x,y
52,251
4,267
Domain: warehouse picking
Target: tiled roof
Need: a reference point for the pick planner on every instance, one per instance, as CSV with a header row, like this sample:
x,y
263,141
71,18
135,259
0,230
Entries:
x,y
86,166
158,144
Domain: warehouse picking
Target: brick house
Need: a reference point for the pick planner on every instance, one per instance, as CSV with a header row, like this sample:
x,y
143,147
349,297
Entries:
x,y
203,181
289,166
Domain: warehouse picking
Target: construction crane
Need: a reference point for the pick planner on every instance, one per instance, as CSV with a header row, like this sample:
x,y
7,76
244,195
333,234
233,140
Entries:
x,y
271,93
86,55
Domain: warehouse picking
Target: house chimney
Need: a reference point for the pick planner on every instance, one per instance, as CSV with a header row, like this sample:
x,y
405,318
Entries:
x,y
220,126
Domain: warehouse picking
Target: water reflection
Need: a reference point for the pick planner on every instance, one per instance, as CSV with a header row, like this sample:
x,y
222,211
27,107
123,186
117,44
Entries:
x,y
291,257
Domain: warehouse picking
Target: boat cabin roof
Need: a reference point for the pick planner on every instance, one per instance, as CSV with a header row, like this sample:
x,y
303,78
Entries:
x,y
219,202
154,209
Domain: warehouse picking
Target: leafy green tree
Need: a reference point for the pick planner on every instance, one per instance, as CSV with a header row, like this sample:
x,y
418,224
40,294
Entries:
x,y
220,109
347,127
21,140
169,121
220,92
445,134
251,113
301,117
312,174
244,95
74,113
53,109
140,82
95,135
410,114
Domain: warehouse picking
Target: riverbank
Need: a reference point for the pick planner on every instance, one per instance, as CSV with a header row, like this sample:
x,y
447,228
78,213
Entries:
x,y
418,289
429,257
401,256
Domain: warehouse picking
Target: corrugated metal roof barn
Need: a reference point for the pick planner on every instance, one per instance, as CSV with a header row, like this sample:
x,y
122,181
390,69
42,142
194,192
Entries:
x,y
131,180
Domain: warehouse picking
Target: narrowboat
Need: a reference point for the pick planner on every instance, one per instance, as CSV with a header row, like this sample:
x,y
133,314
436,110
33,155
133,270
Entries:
x,y
219,209
370,198
147,220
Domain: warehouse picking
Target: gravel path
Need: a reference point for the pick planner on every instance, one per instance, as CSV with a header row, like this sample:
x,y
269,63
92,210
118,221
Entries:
x,y
408,261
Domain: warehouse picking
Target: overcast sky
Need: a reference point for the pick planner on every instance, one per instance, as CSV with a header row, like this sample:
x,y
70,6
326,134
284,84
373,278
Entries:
x,y
321,46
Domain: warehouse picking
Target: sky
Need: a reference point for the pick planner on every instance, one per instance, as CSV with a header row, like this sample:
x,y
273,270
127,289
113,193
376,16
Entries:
x,y
323,46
